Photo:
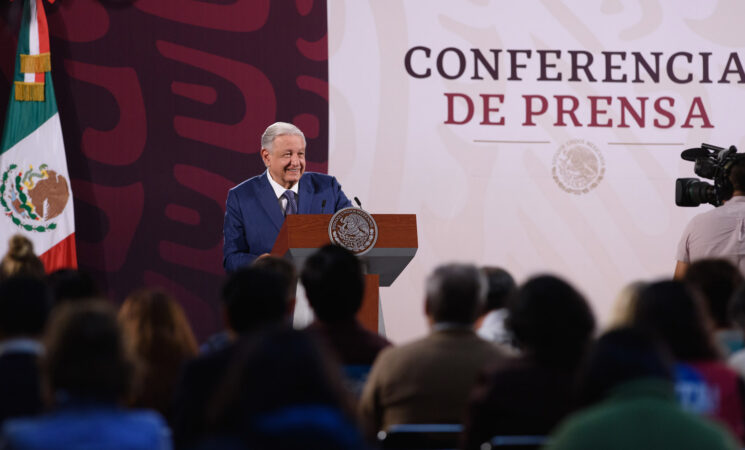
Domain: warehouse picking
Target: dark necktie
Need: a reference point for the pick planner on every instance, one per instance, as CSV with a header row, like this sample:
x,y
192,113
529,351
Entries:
x,y
291,207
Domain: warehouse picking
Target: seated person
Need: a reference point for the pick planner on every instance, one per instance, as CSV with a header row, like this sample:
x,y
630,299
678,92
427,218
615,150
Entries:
x,y
254,298
704,383
529,394
428,380
283,391
501,286
627,387
334,285
24,306
86,368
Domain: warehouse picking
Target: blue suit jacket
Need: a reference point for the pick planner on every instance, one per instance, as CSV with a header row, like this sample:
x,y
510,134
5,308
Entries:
x,y
253,216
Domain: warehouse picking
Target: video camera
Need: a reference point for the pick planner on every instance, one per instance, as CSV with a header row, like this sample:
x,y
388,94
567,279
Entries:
x,y
710,162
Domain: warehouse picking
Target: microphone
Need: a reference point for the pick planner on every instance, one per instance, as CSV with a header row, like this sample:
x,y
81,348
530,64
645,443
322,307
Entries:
x,y
693,154
323,205
359,204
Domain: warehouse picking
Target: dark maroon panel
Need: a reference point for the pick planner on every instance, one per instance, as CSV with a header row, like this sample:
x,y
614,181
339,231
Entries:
x,y
162,105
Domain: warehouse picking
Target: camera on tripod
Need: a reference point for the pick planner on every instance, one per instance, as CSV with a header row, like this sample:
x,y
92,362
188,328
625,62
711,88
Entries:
x,y
713,163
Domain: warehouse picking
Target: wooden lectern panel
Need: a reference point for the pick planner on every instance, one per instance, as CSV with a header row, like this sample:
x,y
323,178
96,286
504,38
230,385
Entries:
x,y
302,235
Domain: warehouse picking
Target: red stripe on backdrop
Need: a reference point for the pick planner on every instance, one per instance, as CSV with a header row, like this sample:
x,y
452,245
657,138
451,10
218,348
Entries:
x,y
41,21
61,256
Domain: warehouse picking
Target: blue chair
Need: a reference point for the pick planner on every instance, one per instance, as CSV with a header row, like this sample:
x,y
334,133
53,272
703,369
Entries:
x,y
517,442
431,436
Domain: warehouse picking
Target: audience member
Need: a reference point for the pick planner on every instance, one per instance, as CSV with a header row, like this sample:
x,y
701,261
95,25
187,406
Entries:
x,y
716,280
72,285
500,286
622,314
24,307
428,380
334,284
704,384
627,383
279,266
157,332
528,395
87,370
737,315
253,298
20,259
283,391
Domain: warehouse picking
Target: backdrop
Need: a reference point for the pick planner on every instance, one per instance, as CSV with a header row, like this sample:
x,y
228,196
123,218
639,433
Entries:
x,y
162,104
540,136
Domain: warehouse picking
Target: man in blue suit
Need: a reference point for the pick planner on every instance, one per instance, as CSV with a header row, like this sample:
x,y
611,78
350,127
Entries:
x,y
256,208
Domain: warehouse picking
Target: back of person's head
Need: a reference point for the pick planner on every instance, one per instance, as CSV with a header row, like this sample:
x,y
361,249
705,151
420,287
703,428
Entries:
x,y
334,283
282,267
24,306
500,286
455,293
670,310
155,326
21,259
255,297
85,355
72,285
550,320
716,281
737,175
737,307
620,356
282,388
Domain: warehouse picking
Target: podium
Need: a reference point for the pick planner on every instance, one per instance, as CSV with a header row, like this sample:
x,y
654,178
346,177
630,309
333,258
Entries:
x,y
302,234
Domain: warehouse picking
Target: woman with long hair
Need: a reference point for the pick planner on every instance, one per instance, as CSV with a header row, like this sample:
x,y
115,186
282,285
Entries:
x,y
157,332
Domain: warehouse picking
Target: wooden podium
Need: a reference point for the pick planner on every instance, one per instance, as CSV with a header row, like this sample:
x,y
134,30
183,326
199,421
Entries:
x,y
302,234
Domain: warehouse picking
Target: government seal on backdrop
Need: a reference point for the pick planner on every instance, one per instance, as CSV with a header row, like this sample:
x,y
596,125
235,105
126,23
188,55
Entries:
x,y
578,166
353,229
32,198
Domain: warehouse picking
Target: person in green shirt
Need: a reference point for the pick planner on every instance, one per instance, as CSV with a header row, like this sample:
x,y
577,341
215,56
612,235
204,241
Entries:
x,y
627,388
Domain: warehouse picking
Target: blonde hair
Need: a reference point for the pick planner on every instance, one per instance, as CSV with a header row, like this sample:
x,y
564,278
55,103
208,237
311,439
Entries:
x,y
158,333
21,259
625,304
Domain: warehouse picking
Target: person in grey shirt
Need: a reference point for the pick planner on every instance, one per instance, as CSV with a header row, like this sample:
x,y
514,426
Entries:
x,y
718,233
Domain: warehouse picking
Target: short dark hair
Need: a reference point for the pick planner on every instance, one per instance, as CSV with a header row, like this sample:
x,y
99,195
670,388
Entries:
x,y
716,281
455,293
24,306
619,356
672,312
551,320
500,286
334,283
254,297
72,285
282,267
737,174
85,354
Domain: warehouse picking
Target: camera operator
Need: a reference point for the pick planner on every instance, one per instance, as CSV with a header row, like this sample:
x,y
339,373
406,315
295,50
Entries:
x,y
719,233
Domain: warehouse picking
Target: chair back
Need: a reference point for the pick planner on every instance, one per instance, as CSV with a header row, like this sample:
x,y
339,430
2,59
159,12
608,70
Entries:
x,y
431,436
517,442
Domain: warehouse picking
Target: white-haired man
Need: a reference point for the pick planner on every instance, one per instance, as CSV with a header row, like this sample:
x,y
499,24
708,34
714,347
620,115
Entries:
x,y
429,380
256,208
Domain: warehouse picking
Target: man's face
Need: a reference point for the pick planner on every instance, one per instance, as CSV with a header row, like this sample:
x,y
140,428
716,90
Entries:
x,y
286,160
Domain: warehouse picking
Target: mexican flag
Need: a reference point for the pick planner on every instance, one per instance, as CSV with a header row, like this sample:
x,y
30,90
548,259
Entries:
x,y
35,195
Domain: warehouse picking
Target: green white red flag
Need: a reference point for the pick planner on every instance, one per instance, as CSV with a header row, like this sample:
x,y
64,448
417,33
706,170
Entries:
x,y
35,194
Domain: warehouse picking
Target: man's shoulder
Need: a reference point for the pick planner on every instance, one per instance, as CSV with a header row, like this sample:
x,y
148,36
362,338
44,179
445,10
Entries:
x,y
250,183
317,179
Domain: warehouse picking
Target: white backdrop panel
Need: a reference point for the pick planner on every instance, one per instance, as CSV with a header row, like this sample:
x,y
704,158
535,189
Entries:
x,y
489,194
